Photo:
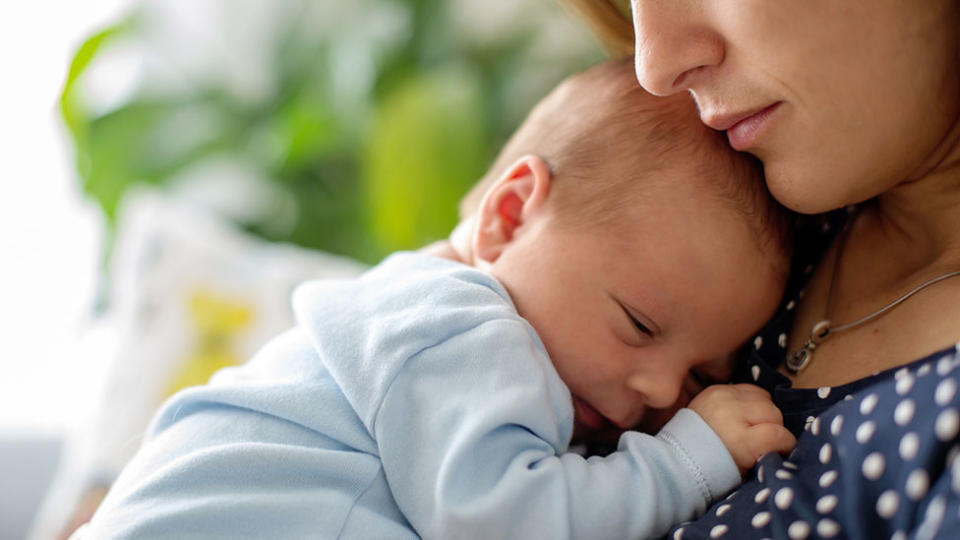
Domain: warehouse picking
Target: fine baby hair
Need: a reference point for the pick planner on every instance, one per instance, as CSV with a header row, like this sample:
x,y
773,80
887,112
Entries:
x,y
605,139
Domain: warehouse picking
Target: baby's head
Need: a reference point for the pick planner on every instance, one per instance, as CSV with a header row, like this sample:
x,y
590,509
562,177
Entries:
x,y
641,248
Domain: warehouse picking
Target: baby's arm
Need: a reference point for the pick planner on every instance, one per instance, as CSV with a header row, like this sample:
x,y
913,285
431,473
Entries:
x,y
475,448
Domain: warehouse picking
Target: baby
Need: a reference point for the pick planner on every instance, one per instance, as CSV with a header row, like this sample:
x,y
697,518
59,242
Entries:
x,y
613,260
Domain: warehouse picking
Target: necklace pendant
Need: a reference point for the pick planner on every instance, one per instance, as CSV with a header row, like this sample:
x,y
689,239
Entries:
x,y
799,360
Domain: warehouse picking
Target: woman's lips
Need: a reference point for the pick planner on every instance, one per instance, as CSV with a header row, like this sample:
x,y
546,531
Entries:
x,y
743,129
744,133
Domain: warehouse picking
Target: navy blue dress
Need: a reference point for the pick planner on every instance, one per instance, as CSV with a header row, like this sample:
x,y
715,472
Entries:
x,y
875,458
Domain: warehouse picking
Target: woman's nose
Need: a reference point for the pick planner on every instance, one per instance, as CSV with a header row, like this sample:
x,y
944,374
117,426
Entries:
x,y
674,42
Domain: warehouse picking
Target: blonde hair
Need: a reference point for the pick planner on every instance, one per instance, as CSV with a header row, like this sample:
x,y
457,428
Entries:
x,y
609,20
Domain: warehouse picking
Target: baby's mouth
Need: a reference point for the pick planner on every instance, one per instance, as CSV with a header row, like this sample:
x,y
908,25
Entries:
x,y
592,427
588,417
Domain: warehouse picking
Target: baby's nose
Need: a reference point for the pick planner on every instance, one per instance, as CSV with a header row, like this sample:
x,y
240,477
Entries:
x,y
658,391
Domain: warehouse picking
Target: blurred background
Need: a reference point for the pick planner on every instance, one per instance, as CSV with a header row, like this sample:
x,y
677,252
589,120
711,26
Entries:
x,y
173,168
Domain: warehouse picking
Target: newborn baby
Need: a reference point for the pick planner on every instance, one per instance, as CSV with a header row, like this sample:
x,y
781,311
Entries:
x,y
607,269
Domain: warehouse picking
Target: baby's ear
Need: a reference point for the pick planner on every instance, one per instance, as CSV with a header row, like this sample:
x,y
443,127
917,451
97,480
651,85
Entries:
x,y
513,200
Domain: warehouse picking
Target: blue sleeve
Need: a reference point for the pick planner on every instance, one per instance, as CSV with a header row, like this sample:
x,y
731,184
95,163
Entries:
x,y
473,451
261,452
881,463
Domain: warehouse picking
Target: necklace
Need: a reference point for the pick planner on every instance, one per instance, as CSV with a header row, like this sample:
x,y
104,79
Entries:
x,y
823,329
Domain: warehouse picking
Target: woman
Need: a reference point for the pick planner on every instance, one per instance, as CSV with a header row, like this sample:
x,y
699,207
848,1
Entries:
x,y
846,103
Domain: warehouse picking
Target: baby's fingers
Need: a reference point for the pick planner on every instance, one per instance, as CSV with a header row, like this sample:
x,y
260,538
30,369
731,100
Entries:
x,y
748,391
770,437
762,413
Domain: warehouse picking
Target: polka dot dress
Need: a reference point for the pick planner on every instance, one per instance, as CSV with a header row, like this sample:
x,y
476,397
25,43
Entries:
x,y
875,459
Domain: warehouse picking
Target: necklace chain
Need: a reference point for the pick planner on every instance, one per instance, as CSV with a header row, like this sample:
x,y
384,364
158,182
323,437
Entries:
x,y
824,328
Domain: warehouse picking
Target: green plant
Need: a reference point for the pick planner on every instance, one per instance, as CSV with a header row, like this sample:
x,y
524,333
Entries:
x,y
376,117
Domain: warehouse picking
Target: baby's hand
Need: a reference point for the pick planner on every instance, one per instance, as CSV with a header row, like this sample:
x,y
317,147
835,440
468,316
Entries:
x,y
745,419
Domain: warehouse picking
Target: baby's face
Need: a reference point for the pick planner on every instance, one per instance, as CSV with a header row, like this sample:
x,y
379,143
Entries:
x,y
638,319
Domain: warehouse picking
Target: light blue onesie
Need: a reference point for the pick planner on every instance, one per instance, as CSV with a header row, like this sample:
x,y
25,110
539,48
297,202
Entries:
x,y
411,402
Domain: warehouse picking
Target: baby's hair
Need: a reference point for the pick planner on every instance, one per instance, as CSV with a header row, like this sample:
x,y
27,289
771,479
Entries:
x,y
604,139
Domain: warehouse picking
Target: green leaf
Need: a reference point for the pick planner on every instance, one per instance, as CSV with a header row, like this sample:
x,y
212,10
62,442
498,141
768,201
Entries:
x,y
428,145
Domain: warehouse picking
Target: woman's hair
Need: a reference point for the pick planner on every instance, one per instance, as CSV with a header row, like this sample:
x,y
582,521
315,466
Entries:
x,y
610,22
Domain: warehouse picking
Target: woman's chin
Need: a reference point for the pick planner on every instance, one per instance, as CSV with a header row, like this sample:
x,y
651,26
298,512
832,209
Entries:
x,y
812,190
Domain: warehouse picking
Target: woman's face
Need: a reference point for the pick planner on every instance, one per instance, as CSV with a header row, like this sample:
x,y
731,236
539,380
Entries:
x,y
840,99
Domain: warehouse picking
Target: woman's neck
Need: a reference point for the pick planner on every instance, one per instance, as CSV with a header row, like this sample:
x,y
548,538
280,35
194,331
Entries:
x,y
919,220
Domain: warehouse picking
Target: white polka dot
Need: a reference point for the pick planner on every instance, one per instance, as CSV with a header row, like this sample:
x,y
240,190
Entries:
x,y
901,373
903,414
723,509
760,520
678,534
932,519
944,365
948,422
828,528
783,474
827,503
899,535
865,431
783,498
760,473
755,372
873,466
827,478
917,484
955,478
887,504
815,426
807,423
909,445
718,531
905,383
945,392
952,454
790,465
758,342
782,340
868,404
761,495
826,451
798,530
836,425
848,397
792,304
924,369
823,392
